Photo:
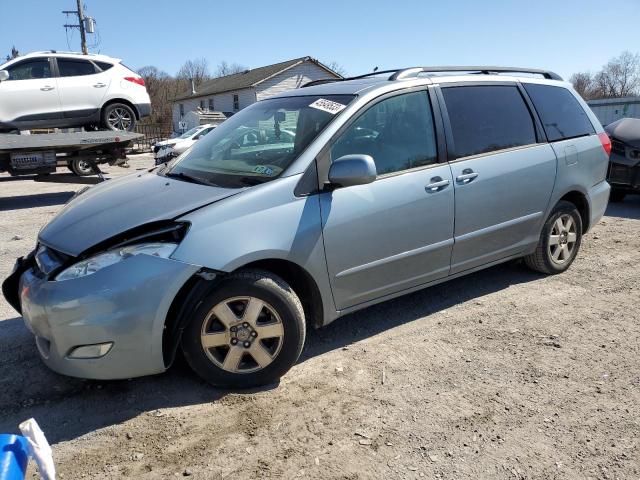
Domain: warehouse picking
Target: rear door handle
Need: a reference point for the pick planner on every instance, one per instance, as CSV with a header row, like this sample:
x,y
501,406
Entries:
x,y
437,184
467,176
100,85
46,88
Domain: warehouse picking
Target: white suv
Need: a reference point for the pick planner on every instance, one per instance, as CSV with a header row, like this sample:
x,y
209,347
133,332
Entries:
x,y
56,89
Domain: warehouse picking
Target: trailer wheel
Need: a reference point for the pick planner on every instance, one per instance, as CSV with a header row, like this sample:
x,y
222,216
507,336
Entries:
x,y
81,167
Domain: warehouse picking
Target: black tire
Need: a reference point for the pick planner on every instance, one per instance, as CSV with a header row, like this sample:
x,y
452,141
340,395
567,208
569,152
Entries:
x,y
111,113
542,260
616,196
279,297
81,167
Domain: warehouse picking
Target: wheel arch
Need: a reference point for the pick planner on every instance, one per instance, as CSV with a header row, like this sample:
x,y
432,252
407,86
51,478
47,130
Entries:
x,y
579,199
188,298
128,103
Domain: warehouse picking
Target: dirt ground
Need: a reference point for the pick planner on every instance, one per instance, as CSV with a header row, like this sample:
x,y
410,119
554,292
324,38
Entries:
x,y
503,374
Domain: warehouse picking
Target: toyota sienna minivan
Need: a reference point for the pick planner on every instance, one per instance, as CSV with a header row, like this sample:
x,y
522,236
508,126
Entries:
x,y
382,185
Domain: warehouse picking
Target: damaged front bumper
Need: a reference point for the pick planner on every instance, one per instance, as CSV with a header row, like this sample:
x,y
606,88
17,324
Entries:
x,y
118,312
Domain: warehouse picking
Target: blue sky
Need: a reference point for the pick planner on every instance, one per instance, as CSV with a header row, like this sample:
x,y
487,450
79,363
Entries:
x,y
562,35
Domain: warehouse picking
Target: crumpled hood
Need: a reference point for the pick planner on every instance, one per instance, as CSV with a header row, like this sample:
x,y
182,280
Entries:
x,y
115,206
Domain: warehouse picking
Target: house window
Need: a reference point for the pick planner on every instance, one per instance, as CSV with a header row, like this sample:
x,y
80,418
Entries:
x,y
236,102
201,104
182,109
211,107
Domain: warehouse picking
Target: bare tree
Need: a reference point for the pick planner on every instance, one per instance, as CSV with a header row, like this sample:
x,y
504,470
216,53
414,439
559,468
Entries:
x,y
336,67
623,74
583,83
196,69
223,69
161,88
620,77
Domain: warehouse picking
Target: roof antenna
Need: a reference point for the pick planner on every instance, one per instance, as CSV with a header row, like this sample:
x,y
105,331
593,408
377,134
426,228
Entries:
x,y
375,69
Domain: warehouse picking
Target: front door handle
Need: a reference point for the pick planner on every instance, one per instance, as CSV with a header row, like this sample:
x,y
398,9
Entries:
x,y
100,85
467,176
46,88
437,184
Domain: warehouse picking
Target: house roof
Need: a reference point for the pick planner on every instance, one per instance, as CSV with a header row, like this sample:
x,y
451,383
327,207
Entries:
x,y
248,78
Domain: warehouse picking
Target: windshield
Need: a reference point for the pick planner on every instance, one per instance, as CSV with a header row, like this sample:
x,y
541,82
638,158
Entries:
x,y
188,133
257,144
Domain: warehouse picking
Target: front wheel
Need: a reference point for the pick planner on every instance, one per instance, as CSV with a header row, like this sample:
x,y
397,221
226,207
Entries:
x,y
81,167
119,116
248,332
559,241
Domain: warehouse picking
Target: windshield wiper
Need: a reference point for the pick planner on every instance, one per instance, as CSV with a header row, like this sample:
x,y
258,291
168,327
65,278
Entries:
x,y
189,178
251,181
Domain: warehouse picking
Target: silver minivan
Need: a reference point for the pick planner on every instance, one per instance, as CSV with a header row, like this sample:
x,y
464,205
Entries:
x,y
305,207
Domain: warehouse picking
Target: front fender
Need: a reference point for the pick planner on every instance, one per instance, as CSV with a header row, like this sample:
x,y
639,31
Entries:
x,y
262,223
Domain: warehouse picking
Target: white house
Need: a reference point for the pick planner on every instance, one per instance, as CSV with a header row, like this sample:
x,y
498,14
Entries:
x,y
232,93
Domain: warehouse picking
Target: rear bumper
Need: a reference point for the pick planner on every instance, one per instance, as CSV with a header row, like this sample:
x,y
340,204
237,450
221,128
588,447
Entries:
x,y
598,197
125,304
144,109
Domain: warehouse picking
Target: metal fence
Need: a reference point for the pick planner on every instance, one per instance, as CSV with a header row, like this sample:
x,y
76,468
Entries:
x,y
153,133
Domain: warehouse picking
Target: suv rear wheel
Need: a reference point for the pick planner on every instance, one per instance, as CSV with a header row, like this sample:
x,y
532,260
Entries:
x,y
559,241
118,116
248,331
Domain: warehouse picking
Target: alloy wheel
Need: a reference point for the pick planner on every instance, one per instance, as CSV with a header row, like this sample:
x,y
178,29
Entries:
x,y
119,119
562,239
242,334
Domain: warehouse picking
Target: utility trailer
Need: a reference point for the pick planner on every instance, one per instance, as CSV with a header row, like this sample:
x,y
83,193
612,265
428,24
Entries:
x,y
81,152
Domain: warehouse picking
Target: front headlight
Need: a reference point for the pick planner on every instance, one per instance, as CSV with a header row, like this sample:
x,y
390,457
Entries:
x,y
102,260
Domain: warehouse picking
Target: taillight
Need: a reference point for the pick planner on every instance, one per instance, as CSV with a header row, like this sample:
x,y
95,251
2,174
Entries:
x,y
606,142
138,80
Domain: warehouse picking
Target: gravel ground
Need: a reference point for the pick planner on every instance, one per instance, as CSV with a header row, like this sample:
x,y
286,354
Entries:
x,y
502,374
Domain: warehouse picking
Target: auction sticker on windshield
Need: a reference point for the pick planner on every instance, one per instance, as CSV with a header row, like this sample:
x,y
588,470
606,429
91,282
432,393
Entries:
x,y
328,106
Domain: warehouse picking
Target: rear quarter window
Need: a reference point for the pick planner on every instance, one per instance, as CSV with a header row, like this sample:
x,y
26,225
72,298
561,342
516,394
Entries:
x,y
561,114
487,118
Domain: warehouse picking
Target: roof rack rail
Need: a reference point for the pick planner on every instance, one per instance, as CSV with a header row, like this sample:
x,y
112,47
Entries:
x,y
331,80
486,70
401,73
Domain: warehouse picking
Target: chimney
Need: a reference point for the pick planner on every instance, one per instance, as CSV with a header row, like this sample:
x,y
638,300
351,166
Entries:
x,y
193,87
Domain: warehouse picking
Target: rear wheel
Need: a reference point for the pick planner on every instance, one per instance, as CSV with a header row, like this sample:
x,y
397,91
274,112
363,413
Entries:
x,y
118,116
616,196
559,241
248,332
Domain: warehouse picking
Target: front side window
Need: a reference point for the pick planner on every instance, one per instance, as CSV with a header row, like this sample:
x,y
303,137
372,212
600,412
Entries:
x,y
561,115
75,68
30,69
487,118
397,132
257,144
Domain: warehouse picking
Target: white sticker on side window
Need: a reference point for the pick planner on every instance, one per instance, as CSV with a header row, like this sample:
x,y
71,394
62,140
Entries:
x,y
328,106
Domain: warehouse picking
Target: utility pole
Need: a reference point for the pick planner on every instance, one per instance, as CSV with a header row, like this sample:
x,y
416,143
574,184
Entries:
x,y
81,25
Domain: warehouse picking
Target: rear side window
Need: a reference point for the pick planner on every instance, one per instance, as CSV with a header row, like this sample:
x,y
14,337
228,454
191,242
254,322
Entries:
x,y
397,132
488,118
75,68
561,114
30,69
104,66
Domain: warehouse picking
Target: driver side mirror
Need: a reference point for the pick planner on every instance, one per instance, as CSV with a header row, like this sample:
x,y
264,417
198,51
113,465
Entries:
x,y
4,75
351,170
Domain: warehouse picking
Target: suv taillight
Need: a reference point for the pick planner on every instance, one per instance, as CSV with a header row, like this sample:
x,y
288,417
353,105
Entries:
x,y
606,142
138,80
